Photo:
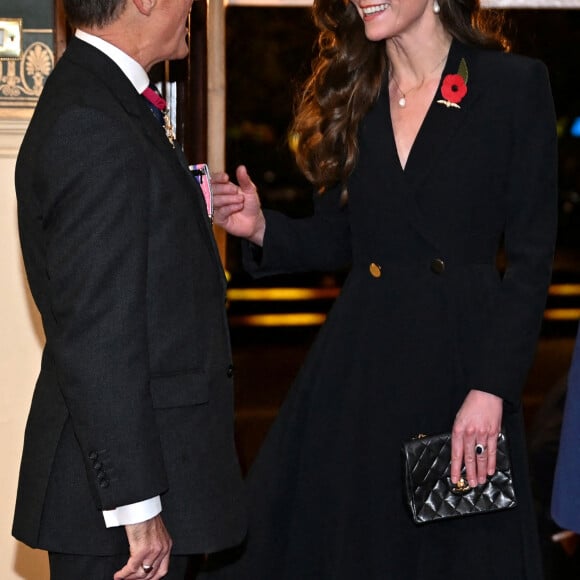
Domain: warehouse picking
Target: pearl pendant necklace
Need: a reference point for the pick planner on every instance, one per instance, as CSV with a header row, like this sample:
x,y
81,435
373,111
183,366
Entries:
x,y
403,98
402,102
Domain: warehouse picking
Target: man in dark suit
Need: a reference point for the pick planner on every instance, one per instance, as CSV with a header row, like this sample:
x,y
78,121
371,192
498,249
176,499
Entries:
x,y
129,465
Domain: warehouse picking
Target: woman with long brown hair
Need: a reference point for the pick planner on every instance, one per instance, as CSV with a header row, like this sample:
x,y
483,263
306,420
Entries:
x,y
431,149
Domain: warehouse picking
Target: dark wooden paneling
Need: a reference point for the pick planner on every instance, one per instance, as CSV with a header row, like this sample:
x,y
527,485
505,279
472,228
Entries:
x,y
61,30
192,88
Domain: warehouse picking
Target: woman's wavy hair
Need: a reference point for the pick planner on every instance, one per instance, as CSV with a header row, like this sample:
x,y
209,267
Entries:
x,y
93,12
346,79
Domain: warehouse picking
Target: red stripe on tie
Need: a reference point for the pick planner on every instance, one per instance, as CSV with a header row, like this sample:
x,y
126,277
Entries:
x,y
155,98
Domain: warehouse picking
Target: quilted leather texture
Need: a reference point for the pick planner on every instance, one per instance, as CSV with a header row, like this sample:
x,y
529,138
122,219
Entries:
x,y
427,462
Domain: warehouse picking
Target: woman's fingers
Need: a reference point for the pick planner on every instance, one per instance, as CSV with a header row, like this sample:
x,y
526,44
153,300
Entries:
x,y
456,455
492,453
474,437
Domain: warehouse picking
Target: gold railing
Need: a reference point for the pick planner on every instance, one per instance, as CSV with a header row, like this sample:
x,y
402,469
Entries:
x,y
298,319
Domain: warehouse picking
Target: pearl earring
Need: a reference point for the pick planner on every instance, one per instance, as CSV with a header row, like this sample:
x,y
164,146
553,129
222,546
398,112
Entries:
x,y
436,7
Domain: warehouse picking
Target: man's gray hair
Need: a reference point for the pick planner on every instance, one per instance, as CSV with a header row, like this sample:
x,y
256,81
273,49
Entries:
x,y
93,13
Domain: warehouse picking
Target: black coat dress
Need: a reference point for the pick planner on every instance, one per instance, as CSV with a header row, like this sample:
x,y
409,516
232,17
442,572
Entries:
x,y
424,316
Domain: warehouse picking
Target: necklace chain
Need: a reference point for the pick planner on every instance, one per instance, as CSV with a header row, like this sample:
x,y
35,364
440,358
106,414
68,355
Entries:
x,y
403,98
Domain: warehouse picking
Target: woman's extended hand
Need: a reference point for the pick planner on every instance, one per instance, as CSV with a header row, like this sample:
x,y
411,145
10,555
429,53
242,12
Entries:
x,y
477,424
237,207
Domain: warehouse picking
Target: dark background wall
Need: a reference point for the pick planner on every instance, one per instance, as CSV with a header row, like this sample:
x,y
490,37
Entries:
x,y
35,13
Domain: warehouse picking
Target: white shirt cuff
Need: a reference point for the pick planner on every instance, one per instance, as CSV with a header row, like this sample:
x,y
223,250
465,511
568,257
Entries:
x,y
133,513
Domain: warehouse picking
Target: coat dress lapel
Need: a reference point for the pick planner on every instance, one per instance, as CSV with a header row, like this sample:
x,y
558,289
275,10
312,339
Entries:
x,y
441,122
433,143
435,137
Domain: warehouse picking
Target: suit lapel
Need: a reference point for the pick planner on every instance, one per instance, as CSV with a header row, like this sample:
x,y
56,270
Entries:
x,y
88,57
201,208
102,67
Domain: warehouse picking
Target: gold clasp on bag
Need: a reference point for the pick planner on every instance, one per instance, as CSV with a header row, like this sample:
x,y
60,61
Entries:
x,y
461,487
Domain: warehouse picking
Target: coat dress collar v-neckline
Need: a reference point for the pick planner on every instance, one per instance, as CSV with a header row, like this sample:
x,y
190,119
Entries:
x,y
440,123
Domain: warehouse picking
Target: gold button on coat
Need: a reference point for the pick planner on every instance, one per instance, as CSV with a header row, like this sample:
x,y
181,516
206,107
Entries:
x,y
375,270
438,266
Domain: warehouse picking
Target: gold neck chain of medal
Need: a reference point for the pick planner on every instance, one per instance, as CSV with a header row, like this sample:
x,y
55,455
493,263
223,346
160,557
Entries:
x,y
403,98
168,126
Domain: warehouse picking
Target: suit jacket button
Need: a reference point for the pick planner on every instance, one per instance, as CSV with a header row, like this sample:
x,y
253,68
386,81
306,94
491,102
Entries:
x,y
93,455
104,483
438,266
230,371
375,270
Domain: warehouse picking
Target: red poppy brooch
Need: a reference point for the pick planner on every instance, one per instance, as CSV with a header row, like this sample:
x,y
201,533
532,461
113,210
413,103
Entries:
x,y
454,87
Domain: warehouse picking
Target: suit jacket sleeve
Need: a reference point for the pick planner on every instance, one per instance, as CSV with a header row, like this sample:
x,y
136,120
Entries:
x,y
96,223
317,243
531,199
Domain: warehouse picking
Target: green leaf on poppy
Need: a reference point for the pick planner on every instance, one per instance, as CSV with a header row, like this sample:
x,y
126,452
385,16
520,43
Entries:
x,y
463,72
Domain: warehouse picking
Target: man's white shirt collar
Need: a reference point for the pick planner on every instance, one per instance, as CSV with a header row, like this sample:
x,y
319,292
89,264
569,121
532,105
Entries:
x,y
130,67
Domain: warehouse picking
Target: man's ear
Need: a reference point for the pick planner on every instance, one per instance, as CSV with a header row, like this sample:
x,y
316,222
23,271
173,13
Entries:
x,y
145,7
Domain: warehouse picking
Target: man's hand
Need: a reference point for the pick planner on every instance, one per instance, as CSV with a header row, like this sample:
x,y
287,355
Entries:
x,y
150,547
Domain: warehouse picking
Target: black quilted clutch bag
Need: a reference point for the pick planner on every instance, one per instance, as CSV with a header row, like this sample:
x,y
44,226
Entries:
x,y
432,496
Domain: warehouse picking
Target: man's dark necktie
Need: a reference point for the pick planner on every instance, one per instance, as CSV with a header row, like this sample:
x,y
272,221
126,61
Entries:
x,y
158,106
155,102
